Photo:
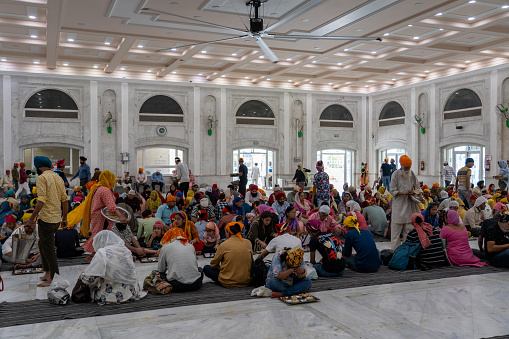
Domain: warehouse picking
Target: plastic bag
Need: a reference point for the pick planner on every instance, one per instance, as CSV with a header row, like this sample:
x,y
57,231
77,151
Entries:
x,y
261,291
310,271
57,293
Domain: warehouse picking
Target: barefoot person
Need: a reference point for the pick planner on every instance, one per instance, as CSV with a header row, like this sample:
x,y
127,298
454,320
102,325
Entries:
x,y
51,211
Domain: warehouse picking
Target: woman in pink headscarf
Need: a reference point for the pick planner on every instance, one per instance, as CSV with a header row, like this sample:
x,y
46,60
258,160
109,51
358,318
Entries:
x,y
303,206
457,247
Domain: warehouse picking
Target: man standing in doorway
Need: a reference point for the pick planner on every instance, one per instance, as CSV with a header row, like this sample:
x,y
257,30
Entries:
x,y
256,174
321,186
50,211
15,176
23,181
404,183
394,168
83,173
386,172
448,173
242,177
463,182
182,176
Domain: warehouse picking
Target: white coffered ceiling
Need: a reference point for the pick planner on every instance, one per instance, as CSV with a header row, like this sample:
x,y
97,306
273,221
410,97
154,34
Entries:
x,y
422,39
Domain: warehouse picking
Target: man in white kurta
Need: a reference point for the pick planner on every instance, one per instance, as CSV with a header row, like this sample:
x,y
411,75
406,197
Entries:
x,y
255,174
403,184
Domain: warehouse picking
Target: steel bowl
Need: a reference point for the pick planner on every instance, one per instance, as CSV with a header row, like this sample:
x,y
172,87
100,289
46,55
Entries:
x,y
126,214
416,198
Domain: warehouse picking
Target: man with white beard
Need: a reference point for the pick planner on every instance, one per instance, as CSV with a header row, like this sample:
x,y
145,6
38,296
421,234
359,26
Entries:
x,y
404,183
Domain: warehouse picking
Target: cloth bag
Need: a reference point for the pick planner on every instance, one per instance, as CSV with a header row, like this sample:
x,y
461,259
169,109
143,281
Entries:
x,y
405,257
81,293
154,284
57,295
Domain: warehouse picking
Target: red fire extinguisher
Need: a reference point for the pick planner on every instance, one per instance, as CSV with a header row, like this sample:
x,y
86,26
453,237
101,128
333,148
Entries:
x,y
487,165
422,165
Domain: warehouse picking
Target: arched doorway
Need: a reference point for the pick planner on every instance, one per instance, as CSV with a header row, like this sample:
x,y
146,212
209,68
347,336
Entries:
x,y
392,153
265,160
159,158
456,156
338,165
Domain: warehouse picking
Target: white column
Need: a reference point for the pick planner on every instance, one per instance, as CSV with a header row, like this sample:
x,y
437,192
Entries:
x,y
432,151
309,130
124,121
414,137
494,127
286,133
371,148
197,131
7,122
362,120
222,124
94,126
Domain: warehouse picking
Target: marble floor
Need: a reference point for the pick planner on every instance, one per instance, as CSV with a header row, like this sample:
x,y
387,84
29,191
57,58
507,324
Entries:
x,y
463,307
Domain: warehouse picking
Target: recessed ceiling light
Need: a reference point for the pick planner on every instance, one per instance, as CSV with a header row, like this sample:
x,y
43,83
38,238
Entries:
x,y
140,46
358,30
247,40
70,39
96,66
200,73
107,42
314,61
289,80
439,14
373,52
234,54
173,72
505,6
426,71
416,38
149,70
34,36
304,20
316,48
174,49
393,79
288,59
386,34
268,79
32,17
340,63
222,76
366,85
262,56
122,68
204,51
36,61
410,25
440,29
4,59
467,61
472,2
246,77
311,82
330,83
471,18
346,50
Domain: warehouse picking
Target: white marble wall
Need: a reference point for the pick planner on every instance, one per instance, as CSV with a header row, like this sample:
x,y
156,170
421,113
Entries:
x,y
210,156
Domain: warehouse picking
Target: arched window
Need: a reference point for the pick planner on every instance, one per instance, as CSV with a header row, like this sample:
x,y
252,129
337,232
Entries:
x,y
254,112
336,116
51,103
161,108
462,104
392,114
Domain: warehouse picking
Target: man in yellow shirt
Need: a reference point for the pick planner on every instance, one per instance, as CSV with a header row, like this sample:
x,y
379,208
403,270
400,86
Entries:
x,y
427,199
51,210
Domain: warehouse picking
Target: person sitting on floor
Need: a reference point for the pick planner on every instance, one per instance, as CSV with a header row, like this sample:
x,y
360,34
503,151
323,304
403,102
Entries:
x,y
130,241
189,229
431,254
430,214
498,209
203,220
211,238
177,263
284,240
34,257
8,227
231,266
497,242
146,226
328,245
261,231
154,201
111,274
375,216
67,242
287,275
154,241
475,216
165,211
227,218
205,205
354,210
367,258
327,222
457,247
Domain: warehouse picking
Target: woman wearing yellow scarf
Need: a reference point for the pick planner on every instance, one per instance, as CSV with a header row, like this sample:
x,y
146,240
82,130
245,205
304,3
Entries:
x,y
154,201
189,197
101,195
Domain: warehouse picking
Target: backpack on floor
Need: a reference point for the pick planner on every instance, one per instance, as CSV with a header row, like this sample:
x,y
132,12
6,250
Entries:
x,y
404,257
258,273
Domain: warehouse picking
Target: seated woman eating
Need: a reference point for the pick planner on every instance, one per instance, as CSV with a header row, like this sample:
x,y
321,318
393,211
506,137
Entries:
x,y
231,266
457,247
178,264
287,275
111,275
432,254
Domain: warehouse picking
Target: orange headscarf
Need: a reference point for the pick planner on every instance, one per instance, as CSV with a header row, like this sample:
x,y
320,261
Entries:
x,y
227,228
405,161
172,234
83,211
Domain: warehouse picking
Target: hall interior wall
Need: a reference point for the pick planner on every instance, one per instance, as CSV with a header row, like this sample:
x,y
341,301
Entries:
x,y
210,157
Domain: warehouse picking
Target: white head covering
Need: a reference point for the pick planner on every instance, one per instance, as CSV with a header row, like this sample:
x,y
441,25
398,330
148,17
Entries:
x,y
112,261
353,205
479,201
208,189
444,194
204,202
324,209
453,203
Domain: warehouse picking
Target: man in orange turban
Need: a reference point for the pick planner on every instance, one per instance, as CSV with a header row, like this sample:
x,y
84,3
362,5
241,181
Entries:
x,y
404,184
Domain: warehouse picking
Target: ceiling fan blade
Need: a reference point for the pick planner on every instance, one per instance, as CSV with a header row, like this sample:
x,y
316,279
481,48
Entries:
x,y
191,19
268,52
203,43
313,37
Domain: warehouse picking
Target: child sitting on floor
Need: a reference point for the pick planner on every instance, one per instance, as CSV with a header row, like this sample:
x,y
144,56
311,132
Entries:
x,y
211,238
154,242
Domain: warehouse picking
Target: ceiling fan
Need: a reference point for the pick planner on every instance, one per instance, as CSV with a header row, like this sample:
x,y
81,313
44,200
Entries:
x,y
256,31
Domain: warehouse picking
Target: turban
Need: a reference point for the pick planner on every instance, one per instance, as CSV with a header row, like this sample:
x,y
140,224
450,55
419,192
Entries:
x,y
22,164
179,195
82,158
367,193
435,185
227,228
280,196
61,163
241,159
296,188
10,218
450,193
96,169
10,193
504,217
324,209
40,161
214,185
426,190
277,189
500,207
473,197
140,169
34,190
295,256
453,203
283,227
425,187
405,161
479,201
203,215
237,199
16,164
313,225
352,222
226,210
7,171
253,188
371,201
170,198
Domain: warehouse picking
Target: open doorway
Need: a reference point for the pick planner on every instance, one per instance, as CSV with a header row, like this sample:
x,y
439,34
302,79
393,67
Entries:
x,y
338,165
262,158
393,153
457,155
